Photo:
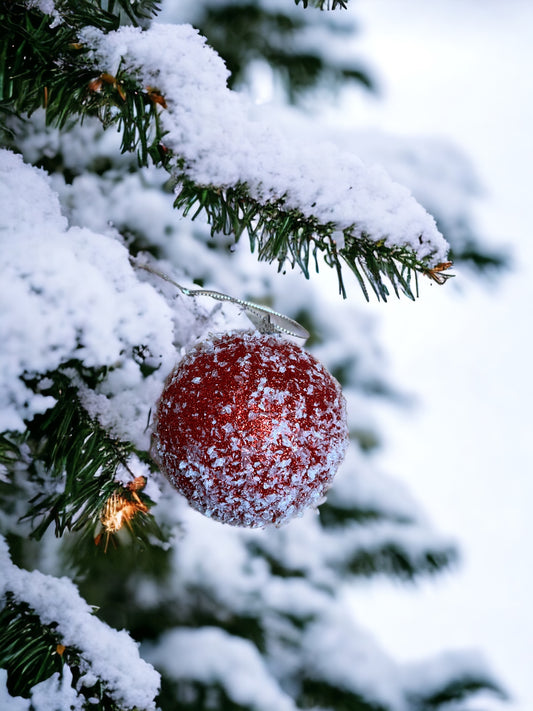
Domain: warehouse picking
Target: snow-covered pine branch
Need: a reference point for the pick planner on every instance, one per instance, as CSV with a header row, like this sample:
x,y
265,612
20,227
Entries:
x,y
226,152
167,91
67,293
93,653
325,4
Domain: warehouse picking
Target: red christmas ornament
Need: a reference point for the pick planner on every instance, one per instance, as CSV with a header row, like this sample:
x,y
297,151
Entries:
x,y
250,428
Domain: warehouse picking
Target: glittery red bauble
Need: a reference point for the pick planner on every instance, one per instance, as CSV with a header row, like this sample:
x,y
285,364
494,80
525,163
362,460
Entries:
x,y
250,428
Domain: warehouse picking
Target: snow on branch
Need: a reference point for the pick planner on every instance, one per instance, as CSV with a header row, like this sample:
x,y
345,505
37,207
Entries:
x,y
219,141
449,677
106,654
211,656
68,294
324,4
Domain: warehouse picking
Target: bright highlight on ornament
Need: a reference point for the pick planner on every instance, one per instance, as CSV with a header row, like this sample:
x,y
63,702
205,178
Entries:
x,y
251,429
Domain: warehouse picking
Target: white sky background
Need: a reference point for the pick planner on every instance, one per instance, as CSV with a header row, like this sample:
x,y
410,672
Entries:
x,y
463,69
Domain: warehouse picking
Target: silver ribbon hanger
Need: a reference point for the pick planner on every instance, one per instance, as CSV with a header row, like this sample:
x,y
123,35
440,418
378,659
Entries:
x,y
266,320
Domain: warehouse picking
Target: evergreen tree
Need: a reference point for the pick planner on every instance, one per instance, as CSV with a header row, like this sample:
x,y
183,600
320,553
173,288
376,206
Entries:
x,y
114,593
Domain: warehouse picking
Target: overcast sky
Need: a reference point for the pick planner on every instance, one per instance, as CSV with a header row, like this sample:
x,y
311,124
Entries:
x,y
463,69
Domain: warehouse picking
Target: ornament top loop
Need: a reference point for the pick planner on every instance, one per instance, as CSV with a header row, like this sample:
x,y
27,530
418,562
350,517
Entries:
x,y
265,319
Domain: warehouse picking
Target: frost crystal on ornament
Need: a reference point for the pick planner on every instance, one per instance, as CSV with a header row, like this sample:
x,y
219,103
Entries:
x,y
251,429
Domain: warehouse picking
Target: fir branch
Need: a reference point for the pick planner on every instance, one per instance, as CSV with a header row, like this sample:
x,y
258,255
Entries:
x,y
46,67
118,100
464,686
242,33
93,655
104,14
324,4
78,454
83,13
31,652
15,490
31,55
395,561
283,235
390,558
28,650
9,450
334,516
319,693
484,261
75,462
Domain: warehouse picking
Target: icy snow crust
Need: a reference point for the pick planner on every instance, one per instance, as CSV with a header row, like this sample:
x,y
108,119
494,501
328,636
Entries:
x,y
108,654
251,429
225,140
